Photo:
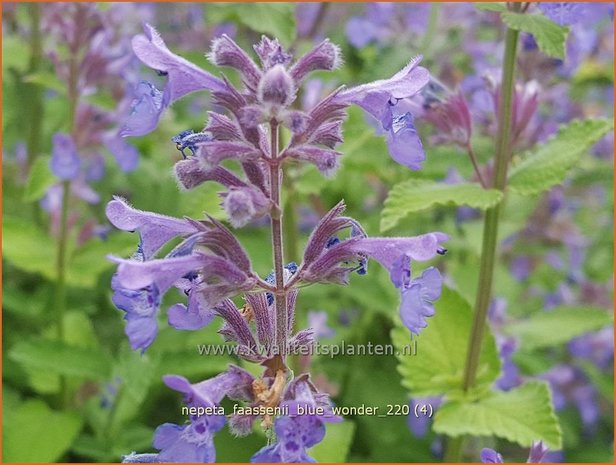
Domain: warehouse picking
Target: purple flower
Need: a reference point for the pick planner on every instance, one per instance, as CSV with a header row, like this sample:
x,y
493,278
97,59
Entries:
x,y
404,143
141,307
194,442
125,154
183,78
378,97
298,431
490,456
417,298
452,118
65,161
419,424
318,322
564,13
326,261
245,204
155,230
510,376
537,452
146,108
360,31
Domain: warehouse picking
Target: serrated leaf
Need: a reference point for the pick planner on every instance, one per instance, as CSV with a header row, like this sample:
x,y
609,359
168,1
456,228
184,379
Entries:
x,y
550,37
416,195
490,6
438,367
558,326
35,433
335,447
522,415
548,165
57,357
39,180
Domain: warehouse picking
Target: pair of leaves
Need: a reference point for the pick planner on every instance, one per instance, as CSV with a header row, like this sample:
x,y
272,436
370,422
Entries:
x,y
521,415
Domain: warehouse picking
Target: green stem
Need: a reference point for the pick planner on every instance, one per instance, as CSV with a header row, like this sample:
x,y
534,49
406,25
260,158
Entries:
x,y
428,38
60,289
35,93
490,229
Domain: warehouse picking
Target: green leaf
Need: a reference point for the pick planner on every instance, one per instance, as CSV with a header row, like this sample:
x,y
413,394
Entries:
x,y
560,325
335,447
137,373
35,433
550,37
39,180
489,6
274,19
27,247
15,53
90,260
47,80
56,357
548,165
416,195
522,415
441,350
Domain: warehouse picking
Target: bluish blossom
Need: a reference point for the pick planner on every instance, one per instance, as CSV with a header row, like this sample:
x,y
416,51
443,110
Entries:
x,y
404,143
417,299
317,320
65,162
491,456
155,230
297,432
194,442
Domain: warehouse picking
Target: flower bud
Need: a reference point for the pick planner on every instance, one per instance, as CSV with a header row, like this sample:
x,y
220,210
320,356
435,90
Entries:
x,y
276,87
325,56
225,52
244,204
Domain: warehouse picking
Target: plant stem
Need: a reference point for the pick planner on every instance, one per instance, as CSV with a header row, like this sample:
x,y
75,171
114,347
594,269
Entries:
x,y
60,290
280,296
490,229
471,155
35,94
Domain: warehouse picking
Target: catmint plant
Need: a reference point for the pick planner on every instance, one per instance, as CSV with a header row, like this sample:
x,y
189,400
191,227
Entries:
x,y
210,266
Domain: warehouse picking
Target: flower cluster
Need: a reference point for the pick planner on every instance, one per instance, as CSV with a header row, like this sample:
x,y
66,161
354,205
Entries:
x,y
211,267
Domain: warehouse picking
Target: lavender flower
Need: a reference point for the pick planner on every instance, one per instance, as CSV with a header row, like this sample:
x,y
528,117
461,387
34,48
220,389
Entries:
x,y
417,298
194,442
298,431
537,453
65,161
211,267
